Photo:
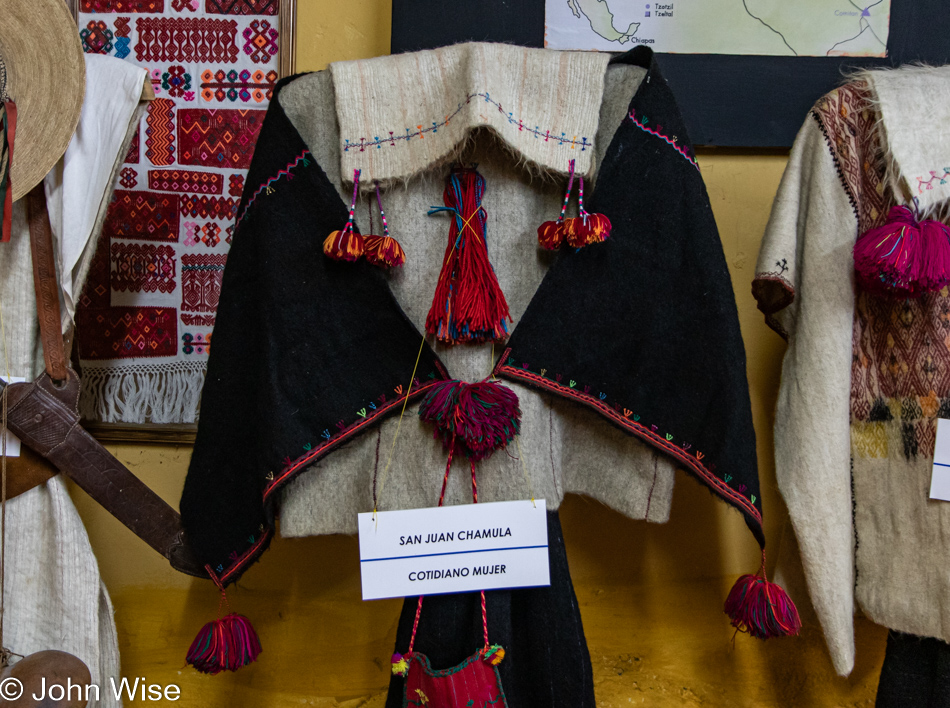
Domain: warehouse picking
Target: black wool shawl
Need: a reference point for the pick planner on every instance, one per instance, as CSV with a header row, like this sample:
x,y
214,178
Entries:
x,y
310,352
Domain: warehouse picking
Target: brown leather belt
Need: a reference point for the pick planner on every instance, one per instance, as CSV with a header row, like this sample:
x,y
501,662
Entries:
x,y
44,415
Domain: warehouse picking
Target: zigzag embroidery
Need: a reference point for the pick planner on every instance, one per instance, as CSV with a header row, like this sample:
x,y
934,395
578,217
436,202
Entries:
x,y
669,141
378,142
266,187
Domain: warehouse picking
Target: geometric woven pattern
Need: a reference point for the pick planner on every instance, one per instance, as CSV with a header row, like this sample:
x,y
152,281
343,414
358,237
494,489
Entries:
x,y
149,216
218,138
154,281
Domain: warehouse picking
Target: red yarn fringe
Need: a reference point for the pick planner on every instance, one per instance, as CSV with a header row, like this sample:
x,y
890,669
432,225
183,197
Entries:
x,y
760,608
904,257
468,305
225,644
383,251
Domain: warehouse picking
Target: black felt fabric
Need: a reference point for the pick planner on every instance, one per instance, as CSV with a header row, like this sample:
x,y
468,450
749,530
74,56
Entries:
x,y
916,672
301,342
649,317
644,324
546,662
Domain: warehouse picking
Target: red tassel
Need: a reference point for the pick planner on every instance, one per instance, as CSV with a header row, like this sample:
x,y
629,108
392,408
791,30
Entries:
x,y
345,245
383,251
225,644
904,257
575,232
468,305
760,608
550,235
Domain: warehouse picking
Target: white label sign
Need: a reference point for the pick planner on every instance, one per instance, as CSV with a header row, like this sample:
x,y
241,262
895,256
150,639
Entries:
x,y
13,442
454,549
940,477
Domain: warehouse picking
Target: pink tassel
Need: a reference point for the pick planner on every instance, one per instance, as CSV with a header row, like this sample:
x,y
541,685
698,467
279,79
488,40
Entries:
x,y
225,644
904,257
480,418
760,608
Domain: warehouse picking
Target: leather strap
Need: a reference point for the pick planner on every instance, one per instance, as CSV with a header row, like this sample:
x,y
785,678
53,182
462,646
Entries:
x,y
43,415
45,283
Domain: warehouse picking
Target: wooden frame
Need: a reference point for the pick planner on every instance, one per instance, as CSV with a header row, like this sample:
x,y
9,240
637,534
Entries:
x,y
184,433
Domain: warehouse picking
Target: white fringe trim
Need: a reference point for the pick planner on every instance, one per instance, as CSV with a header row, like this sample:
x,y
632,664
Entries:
x,y
142,393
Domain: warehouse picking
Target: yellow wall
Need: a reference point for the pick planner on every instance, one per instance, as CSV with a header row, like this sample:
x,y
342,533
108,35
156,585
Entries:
x,y
650,595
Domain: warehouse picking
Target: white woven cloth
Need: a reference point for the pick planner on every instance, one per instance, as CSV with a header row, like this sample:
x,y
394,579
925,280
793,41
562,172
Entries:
x,y
914,105
401,114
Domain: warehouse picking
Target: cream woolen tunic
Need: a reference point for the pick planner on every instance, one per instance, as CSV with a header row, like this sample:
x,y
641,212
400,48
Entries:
x,y
864,378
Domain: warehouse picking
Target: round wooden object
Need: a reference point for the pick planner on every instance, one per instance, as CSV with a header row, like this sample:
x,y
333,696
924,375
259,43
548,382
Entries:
x,y
46,679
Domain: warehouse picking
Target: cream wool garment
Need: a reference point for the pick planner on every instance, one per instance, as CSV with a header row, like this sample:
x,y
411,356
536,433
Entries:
x,y
562,449
865,377
54,597
402,114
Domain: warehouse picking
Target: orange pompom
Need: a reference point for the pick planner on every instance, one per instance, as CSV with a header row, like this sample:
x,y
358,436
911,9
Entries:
x,y
575,232
383,251
598,228
345,245
550,235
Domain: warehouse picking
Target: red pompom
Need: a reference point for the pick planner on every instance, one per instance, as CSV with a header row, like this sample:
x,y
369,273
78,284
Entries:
x,y
481,417
550,235
383,251
225,644
345,245
575,232
904,257
761,608
598,228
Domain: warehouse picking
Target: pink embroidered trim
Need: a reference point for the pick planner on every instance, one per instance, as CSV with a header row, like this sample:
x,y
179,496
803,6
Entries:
x,y
669,141
266,187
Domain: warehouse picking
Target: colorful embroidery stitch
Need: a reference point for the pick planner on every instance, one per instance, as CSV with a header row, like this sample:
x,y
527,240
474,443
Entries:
x,y
195,343
148,216
218,138
242,7
160,132
132,156
232,85
176,81
186,39
923,184
96,38
208,207
198,320
142,267
186,181
122,6
128,332
201,281
260,41
301,159
550,135
128,177
643,125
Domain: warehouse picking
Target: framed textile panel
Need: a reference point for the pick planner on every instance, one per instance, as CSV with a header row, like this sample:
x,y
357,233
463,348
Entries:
x,y
145,320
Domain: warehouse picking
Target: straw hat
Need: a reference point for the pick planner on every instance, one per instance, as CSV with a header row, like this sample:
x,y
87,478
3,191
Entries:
x,y
46,77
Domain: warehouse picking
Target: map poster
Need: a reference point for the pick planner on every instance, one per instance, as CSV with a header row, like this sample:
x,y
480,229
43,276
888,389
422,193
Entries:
x,y
776,27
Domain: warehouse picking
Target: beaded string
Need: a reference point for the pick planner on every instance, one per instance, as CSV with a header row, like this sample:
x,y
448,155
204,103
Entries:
x,y
382,214
356,189
567,194
580,202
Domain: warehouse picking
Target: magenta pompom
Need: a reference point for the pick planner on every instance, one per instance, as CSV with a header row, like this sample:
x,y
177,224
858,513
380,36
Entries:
x,y
479,418
762,609
225,644
904,257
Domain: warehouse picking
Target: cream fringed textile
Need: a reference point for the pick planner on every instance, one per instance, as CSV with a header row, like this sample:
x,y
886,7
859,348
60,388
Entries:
x,y
400,115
